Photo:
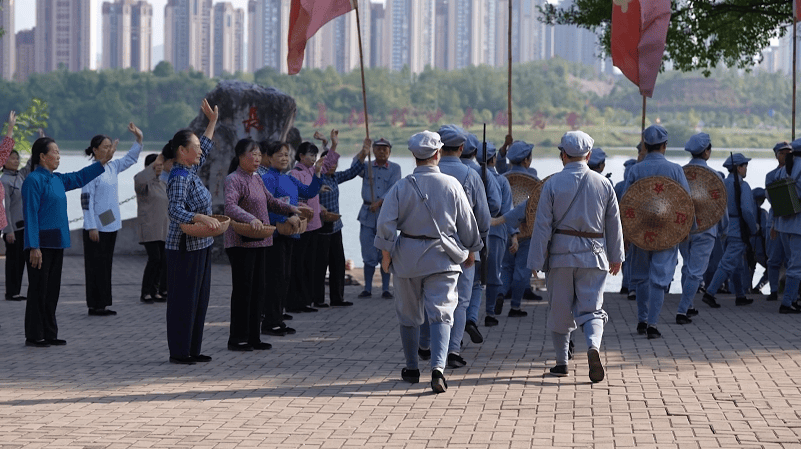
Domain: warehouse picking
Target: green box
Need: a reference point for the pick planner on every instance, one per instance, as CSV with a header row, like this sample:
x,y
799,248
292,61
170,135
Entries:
x,y
784,197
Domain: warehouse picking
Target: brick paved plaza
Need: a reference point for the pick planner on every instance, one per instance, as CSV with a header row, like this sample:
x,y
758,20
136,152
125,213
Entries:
x,y
727,380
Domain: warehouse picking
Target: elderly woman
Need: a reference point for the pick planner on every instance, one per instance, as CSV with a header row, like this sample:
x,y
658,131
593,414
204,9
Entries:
x,y
151,226
248,201
44,205
15,223
100,201
188,257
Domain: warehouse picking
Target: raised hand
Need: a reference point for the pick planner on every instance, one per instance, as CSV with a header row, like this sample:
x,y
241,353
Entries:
x,y
319,136
334,139
211,114
136,132
318,166
12,120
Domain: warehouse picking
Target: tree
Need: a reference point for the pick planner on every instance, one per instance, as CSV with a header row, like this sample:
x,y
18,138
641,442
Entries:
x,y
702,33
28,125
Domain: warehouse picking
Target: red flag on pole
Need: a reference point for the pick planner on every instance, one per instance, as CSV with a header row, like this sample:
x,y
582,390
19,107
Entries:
x,y
305,18
639,30
797,10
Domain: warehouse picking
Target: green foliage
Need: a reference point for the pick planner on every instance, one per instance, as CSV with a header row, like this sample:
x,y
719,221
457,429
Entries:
x,y
702,35
28,125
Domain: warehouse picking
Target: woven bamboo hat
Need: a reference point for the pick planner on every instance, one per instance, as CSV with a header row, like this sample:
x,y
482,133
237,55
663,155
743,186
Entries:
x,y
522,185
708,194
527,228
657,213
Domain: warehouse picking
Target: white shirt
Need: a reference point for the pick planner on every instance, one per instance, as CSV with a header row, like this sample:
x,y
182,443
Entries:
x,y
100,199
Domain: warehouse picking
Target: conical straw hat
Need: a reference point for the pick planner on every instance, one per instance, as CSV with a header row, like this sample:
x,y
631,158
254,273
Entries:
x,y
656,213
708,194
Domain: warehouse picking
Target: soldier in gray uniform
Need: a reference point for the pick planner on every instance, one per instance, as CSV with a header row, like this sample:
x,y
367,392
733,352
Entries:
x,y
776,255
422,207
624,288
577,229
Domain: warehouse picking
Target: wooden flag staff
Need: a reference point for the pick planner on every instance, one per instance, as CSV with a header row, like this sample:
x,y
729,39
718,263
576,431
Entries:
x,y
509,87
364,101
795,40
642,125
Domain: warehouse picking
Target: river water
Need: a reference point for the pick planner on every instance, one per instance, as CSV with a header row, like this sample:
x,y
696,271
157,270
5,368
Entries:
x,y
350,193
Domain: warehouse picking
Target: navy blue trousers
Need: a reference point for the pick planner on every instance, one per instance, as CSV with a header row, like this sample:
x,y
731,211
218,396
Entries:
x,y
189,278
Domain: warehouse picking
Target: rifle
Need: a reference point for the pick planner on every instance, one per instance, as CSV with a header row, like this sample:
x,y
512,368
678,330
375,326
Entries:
x,y
745,231
484,253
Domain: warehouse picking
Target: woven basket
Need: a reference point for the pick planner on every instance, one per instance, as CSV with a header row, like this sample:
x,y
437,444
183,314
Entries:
x,y
303,224
244,229
656,213
306,212
522,185
527,227
709,196
285,228
201,230
329,217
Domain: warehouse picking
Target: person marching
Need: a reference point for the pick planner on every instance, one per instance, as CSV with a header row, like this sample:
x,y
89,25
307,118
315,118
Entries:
x,y
384,175
626,269
332,253
47,234
434,218
776,255
523,164
789,228
577,240
453,139
152,223
100,200
652,271
248,201
597,162
696,249
188,257
733,261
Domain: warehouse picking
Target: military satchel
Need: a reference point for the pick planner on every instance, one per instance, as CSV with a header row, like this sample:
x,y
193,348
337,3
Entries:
x,y
546,265
450,245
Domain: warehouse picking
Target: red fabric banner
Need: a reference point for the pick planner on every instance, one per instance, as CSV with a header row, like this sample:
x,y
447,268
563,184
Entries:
x,y
639,30
797,10
306,17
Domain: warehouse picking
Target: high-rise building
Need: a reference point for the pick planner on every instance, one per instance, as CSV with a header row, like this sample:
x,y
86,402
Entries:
x,y
377,28
228,29
62,35
26,54
409,34
337,42
529,36
268,31
127,35
188,40
466,36
575,44
441,35
8,46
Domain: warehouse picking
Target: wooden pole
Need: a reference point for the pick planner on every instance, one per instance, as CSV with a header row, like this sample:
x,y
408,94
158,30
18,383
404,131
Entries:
x,y
642,124
795,40
364,101
509,87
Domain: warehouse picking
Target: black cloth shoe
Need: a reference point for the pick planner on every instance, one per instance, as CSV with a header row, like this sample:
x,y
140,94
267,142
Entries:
x,y
321,305
596,367
201,358
682,319
19,298
37,343
108,312
425,354
387,295
455,361
182,360
261,346
499,305
710,301
287,329
475,334
773,296
341,304
785,309
239,347
490,321
146,299
571,348
641,328
277,331
410,375
743,301
365,294
287,317
56,342
517,313
632,295
529,294
438,383
559,371
653,333
692,312
308,309
623,291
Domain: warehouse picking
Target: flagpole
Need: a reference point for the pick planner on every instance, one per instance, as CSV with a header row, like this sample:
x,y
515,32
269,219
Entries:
x,y
642,124
364,100
509,87
795,40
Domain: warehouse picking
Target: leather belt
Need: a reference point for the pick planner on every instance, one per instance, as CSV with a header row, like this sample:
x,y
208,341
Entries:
x,y
416,237
589,235
367,203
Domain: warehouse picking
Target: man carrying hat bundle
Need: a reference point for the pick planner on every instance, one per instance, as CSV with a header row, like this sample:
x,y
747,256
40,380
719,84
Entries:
x,y
652,271
733,263
776,255
422,207
384,175
453,139
626,270
789,228
695,251
578,230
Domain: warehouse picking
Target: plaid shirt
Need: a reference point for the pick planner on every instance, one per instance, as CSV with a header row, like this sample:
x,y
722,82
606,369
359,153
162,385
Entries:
x,y
330,199
188,196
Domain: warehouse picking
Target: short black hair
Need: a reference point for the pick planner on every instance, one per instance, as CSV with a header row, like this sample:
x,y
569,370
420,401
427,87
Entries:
x,y
651,148
150,158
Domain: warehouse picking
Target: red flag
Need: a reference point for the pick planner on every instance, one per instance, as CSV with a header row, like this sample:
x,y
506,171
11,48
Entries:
x,y
639,30
797,10
305,18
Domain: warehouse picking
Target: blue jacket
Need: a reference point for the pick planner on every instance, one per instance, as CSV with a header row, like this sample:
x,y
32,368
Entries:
x,y
746,203
287,189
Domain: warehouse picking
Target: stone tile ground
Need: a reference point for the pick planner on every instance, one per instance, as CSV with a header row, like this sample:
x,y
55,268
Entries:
x,y
730,379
